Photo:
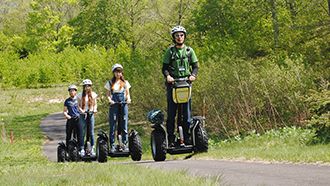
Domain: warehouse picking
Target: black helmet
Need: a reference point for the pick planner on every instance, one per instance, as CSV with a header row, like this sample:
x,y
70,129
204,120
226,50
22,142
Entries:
x,y
156,116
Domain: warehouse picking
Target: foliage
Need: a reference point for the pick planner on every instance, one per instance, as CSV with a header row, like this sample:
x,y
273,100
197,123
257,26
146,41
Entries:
x,y
257,58
245,97
319,104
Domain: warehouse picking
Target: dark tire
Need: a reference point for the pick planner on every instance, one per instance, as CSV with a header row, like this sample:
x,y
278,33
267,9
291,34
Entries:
x,y
61,154
101,150
202,143
158,145
73,151
135,146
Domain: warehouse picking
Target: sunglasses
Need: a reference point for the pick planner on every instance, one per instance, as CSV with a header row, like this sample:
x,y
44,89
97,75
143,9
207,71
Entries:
x,y
178,35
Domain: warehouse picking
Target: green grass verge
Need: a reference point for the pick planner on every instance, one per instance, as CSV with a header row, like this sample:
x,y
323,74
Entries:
x,y
22,162
289,144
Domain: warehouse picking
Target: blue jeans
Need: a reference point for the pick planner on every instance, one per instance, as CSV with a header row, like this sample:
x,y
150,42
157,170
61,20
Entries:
x,y
185,118
118,114
83,124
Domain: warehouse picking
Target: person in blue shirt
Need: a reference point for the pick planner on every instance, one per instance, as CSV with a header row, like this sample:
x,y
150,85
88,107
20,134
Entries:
x,y
71,113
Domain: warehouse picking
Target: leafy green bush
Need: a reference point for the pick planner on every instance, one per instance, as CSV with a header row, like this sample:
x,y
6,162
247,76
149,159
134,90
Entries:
x,y
238,95
319,104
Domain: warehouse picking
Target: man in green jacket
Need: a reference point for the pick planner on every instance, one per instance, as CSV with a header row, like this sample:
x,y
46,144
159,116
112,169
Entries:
x,y
179,61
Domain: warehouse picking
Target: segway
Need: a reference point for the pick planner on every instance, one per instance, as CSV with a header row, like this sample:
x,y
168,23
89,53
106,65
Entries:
x,y
159,138
68,152
88,148
134,143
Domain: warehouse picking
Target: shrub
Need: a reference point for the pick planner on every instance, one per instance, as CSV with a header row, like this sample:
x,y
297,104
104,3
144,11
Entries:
x,y
319,106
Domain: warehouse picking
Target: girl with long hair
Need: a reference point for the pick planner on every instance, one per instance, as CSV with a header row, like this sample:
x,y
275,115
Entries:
x,y
118,96
87,108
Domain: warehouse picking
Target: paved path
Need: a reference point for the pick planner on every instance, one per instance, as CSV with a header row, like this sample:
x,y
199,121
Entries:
x,y
53,126
229,172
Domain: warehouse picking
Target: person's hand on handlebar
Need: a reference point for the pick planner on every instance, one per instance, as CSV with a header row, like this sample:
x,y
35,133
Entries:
x,y
169,79
192,78
112,102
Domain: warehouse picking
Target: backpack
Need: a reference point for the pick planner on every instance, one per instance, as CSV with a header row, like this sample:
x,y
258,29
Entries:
x,y
174,57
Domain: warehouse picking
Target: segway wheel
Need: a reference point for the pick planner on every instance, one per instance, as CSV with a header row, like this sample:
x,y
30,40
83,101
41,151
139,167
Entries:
x,y
61,154
73,151
201,139
135,146
158,145
101,150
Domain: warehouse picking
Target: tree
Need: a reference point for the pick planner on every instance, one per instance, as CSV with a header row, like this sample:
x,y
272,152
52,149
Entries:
x,y
13,14
47,27
99,23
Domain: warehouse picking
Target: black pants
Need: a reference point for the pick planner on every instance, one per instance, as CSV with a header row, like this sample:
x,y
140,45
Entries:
x,y
72,129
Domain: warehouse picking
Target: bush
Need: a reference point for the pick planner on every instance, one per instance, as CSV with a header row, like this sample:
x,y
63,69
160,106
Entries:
x,y
238,95
319,106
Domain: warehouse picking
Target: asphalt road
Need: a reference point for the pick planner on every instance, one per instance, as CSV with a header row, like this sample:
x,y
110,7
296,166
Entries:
x,y
228,172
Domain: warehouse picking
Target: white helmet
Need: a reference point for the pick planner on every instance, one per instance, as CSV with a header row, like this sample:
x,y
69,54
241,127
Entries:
x,y
178,29
117,66
72,87
87,82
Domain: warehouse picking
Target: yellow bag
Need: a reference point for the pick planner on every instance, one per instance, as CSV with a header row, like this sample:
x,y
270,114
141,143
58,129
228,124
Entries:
x,y
181,93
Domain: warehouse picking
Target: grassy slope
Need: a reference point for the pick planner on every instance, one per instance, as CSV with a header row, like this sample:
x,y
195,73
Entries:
x,y
22,162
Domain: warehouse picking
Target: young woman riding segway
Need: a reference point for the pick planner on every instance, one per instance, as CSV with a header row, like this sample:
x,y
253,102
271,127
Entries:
x,y
87,108
119,97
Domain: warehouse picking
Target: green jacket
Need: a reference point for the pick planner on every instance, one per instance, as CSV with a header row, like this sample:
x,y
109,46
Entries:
x,y
180,62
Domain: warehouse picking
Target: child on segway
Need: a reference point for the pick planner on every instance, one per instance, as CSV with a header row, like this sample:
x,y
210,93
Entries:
x,y
71,113
118,96
73,130
87,107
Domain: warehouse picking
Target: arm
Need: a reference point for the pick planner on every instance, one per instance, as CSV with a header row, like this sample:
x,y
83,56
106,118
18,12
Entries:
x,y
166,66
65,112
194,69
95,105
109,96
194,66
80,105
128,96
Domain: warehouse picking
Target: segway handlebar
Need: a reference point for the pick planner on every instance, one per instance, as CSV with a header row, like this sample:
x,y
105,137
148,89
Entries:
x,y
120,103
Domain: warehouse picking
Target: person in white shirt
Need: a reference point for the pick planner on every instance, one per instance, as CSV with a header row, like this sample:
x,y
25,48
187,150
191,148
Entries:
x,y
118,96
87,104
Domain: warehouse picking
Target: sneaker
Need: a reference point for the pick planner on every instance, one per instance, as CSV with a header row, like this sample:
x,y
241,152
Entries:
x,y
125,147
188,141
112,148
82,152
93,152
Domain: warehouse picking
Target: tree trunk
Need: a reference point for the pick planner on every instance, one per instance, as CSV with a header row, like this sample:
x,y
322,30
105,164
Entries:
x,y
181,12
329,7
293,12
275,23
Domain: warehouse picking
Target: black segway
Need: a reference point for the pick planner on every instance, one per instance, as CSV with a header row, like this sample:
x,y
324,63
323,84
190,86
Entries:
x,y
68,152
134,143
159,141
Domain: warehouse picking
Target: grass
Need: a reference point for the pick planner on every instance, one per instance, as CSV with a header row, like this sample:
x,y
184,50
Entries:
x,y
289,144
22,162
